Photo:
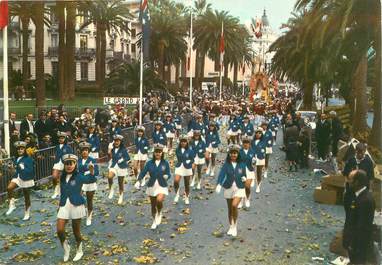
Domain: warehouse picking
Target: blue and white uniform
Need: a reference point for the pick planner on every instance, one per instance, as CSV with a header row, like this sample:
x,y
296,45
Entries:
x,y
212,141
199,148
83,168
178,122
94,140
248,157
60,150
258,147
232,176
159,174
185,159
247,129
141,148
24,176
118,163
233,127
169,129
268,139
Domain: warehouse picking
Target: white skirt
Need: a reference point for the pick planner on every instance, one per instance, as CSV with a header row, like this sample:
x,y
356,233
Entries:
x,y
120,172
140,157
212,150
182,171
178,127
94,155
170,135
231,133
250,174
234,191
274,133
23,183
260,162
89,187
156,189
59,165
69,211
268,150
199,161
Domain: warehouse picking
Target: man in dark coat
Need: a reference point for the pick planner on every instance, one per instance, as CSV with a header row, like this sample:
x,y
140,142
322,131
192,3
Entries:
x,y
337,132
43,126
27,126
358,228
323,137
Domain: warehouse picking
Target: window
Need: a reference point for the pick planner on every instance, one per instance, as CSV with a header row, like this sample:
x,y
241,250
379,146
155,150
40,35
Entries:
x,y
83,42
54,40
122,48
54,69
84,71
133,33
133,48
53,17
29,69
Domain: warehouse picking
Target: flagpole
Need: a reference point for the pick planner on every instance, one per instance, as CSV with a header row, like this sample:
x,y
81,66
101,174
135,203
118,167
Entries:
x,y
191,65
221,67
141,84
5,88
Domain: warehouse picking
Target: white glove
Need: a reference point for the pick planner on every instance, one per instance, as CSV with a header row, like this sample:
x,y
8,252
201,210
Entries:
x,y
243,179
93,149
21,165
254,160
137,185
218,188
120,160
165,177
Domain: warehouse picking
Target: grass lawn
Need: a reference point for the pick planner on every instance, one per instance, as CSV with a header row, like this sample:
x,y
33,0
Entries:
x,y
29,106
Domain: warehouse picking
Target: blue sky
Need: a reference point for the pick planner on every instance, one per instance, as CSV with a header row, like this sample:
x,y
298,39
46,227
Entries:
x,y
278,11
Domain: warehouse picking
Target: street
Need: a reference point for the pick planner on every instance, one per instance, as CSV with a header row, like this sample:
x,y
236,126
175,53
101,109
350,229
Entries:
x,y
283,226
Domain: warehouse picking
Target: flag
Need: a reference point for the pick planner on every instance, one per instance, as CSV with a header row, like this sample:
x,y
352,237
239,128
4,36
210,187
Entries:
x,y
144,16
221,47
257,28
3,14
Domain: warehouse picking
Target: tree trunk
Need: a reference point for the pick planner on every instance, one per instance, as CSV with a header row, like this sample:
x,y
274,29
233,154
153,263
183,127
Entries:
x,y
226,68
39,53
359,85
25,32
201,75
70,67
161,61
183,72
103,59
197,69
62,95
235,72
308,86
177,73
98,55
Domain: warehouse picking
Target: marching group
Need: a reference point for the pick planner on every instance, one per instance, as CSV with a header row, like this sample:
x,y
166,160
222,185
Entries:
x,y
251,131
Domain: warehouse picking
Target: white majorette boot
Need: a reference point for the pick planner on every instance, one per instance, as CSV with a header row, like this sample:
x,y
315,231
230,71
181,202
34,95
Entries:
x,y
12,206
120,199
229,232
176,199
265,174
199,185
79,253
212,171
89,219
66,247
234,229
111,192
154,225
56,192
192,184
158,218
186,200
258,187
27,214
247,202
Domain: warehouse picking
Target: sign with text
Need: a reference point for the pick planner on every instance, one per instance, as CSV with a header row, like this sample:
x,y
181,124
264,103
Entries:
x,y
120,100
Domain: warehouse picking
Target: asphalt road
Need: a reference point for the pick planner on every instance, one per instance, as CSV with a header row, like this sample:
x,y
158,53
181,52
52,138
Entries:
x,y
283,226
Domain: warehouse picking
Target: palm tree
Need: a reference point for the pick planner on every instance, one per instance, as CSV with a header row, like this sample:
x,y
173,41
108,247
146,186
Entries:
x,y
107,16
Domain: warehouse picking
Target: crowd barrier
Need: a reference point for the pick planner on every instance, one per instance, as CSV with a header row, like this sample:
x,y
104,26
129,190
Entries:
x,y
44,158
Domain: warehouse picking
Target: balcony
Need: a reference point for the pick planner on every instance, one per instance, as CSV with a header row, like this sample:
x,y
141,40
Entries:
x,y
53,51
109,54
85,53
12,51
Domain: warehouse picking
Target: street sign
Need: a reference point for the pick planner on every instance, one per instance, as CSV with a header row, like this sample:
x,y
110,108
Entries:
x,y
120,100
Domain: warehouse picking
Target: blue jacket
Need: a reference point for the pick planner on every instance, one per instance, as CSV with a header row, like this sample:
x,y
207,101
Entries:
x,y
268,138
213,139
275,120
84,168
247,129
169,127
24,168
66,149
159,138
72,188
197,126
228,175
259,149
199,149
233,125
156,172
178,119
247,159
121,157
141,145
117,130
95,142
186,159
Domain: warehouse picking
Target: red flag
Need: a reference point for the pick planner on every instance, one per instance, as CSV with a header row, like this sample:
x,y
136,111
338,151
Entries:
x,y
221,47
3,14
144,4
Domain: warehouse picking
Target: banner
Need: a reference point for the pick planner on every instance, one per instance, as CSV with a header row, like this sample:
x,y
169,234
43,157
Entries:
x,y
121,100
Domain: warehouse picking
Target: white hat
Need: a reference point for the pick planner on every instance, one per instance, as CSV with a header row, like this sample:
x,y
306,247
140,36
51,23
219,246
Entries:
x,y
69,157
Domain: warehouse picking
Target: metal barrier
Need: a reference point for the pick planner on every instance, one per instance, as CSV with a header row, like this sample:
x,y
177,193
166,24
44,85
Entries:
x,y
44,158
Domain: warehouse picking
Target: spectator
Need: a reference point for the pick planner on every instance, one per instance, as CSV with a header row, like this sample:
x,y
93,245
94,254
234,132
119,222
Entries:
x,y
43,126
358,228
291,137
12,124
63,125
337,132
323,137
27,126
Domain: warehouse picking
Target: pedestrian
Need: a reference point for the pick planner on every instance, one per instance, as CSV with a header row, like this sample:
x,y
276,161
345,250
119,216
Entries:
x,y
169,129
323,131
358,229
232,177
249,158
118,167
141,150
212,142
43,126
268,139
72,204
23,178
233,129
157,188
198,145
27,126
337,132
259,148
85,163
303,143
291,138
94,140
247,127
61,149
159,136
